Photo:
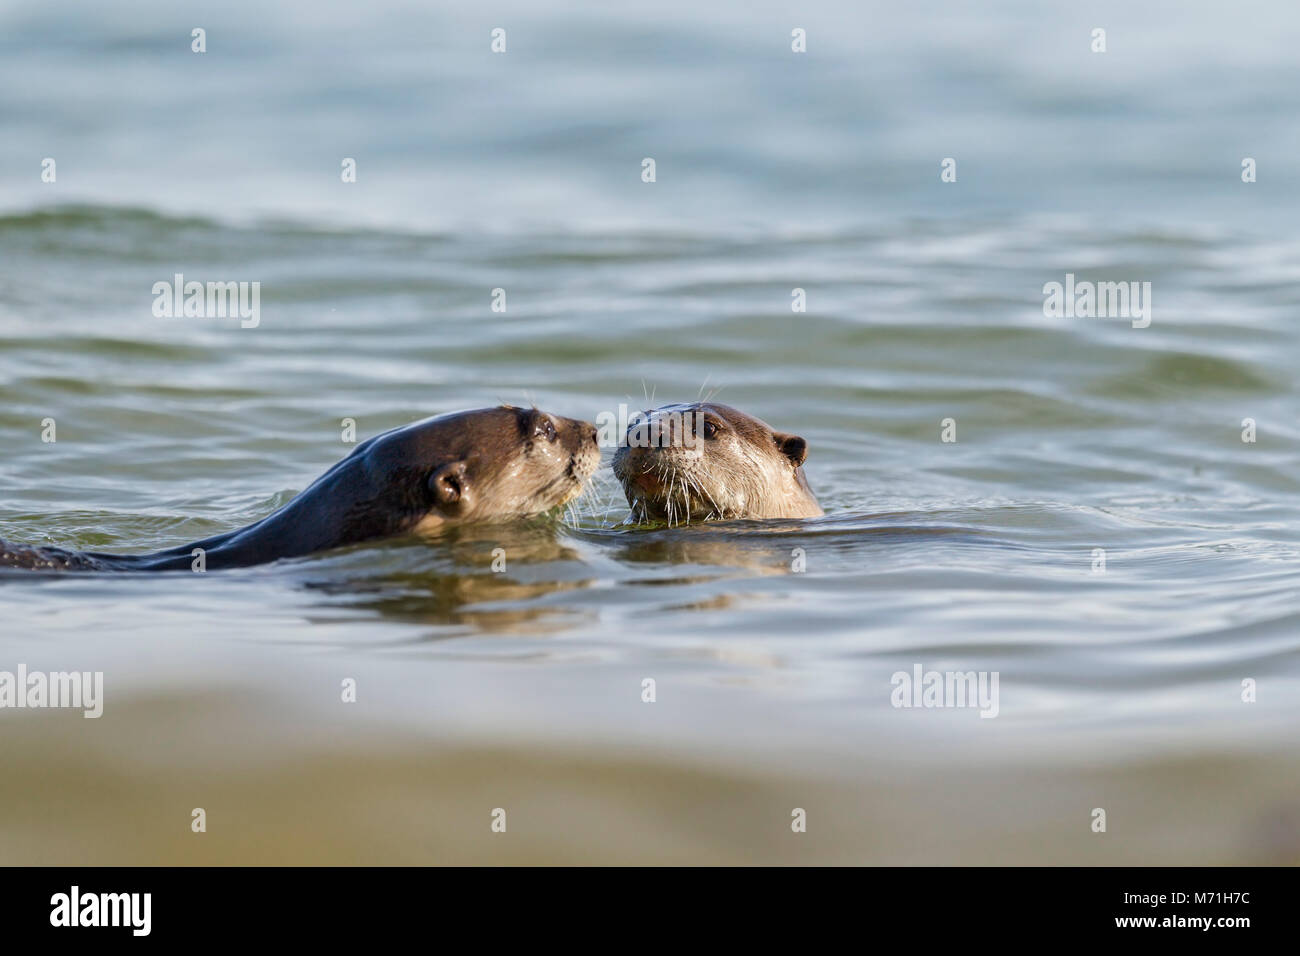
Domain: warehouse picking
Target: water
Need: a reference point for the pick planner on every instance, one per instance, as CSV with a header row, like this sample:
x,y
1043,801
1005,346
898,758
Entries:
x,y
1119,688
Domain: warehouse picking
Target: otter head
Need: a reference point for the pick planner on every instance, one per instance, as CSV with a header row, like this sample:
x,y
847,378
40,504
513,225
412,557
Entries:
x,y
490,463
700,461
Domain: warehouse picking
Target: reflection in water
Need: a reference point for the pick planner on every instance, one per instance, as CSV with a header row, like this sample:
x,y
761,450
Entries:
x,y
490,577
526,577
719,549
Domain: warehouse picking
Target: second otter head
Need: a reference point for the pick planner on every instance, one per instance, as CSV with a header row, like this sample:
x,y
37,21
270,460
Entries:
x,y
485,464
701,461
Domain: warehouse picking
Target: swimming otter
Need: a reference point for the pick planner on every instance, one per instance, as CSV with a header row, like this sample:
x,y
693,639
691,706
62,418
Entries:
x,y
486,464
704,461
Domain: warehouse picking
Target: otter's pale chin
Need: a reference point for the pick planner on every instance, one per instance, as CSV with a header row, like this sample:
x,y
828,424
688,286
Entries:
x,y
573,493
430,524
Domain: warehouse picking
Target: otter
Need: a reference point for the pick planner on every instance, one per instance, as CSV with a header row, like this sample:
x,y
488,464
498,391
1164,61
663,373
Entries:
x,y
480,465
708,461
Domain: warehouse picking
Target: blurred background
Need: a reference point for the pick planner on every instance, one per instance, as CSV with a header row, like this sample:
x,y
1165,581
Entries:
x,y
1120,689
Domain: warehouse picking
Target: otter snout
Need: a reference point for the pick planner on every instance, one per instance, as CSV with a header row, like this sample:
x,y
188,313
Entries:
x,y
582,441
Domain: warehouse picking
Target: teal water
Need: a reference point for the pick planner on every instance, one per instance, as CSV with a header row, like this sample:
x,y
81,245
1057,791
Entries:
x,y
1120,688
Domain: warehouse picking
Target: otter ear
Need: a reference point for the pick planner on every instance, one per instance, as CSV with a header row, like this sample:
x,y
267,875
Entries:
x,y
792,446
447,483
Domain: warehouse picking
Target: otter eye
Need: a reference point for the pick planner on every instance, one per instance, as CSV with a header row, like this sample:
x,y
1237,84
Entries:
x,y
710,429
546,429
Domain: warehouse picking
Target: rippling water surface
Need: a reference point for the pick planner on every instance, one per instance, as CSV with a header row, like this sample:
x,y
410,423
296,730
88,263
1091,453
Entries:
x,y
1120,687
